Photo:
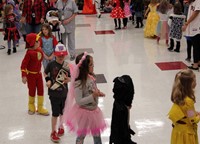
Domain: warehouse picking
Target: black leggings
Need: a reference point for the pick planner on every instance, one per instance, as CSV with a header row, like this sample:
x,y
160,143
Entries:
x,y
125,21
119,22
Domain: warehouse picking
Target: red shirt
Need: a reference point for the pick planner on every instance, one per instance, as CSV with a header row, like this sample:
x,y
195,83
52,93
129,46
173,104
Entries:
x,y
38,8
32,61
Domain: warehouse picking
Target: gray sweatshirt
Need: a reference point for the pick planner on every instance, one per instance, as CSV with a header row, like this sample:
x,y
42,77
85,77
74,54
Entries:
x,y
84,96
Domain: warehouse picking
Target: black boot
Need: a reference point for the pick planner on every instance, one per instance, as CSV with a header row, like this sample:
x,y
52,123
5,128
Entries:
x,y
171,45
177,46
137,22
14,50
141,23
9,51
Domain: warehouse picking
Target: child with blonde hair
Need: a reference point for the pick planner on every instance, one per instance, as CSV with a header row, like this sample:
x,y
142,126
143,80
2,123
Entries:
x,y
152,19
183,115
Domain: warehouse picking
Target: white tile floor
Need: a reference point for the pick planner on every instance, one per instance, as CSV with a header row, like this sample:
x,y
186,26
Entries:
x,y
125,52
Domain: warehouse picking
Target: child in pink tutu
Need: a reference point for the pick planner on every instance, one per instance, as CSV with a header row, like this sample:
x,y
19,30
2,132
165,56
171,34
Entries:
x,y
82,114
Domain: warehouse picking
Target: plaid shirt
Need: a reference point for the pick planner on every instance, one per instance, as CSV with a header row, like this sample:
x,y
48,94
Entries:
x,y
39,9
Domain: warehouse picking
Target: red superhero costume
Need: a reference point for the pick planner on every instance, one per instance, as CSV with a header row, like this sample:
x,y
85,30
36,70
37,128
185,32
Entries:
x,y
31,69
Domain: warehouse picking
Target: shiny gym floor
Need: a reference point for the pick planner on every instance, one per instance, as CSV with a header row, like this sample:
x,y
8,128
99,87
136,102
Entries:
x,y
116,52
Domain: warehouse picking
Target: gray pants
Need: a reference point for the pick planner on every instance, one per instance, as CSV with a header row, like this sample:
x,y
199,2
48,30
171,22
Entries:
x,y
80,139
68,40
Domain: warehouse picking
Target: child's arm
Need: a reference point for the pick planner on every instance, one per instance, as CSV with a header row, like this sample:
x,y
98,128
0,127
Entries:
x,y
80,100
146,12
24,67
47,78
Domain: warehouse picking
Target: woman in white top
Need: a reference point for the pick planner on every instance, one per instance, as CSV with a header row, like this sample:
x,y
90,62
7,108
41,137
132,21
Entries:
x,y
192,28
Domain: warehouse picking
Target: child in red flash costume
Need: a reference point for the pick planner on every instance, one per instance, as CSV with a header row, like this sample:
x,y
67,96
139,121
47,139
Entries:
x,y
31,74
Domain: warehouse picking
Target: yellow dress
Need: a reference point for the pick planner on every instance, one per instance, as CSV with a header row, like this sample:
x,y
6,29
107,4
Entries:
x,y
151,22
184,119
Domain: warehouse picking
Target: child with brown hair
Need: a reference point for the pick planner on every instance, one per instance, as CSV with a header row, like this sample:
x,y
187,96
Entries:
x,y
82,113
31,74
48,43
183,115
10,30
176,21
57,75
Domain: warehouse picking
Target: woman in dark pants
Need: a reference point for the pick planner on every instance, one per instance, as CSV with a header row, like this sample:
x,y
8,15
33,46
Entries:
x,y
192,27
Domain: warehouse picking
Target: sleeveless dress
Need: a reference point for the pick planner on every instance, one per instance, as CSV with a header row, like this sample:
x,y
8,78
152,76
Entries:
x,y
151,22
117,11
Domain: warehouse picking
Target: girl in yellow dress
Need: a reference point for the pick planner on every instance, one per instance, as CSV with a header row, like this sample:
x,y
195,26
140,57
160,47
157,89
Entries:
x,y
152,20
182,113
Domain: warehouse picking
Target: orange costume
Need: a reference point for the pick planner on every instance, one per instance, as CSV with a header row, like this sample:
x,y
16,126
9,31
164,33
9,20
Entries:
x,y
89,7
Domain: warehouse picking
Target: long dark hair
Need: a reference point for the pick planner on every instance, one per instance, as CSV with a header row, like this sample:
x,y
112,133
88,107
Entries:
x,y
47,26
178,8
83,68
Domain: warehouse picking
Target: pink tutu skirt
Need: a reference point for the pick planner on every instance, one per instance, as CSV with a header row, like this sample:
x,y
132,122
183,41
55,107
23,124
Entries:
x,y
83,121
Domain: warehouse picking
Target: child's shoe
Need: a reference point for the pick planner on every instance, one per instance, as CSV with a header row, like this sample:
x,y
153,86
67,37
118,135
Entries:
x,y
167,42
54,137
14,50
177,50
158,39
61,132
188,59
9,51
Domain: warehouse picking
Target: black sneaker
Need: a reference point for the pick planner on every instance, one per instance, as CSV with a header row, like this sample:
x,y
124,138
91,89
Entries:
x,y
72,57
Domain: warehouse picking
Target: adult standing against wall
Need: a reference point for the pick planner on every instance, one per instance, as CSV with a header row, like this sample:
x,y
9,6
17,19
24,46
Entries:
x,y
192,27
68,11
33,14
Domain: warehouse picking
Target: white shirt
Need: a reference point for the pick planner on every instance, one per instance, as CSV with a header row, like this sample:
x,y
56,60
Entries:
x,y
194,27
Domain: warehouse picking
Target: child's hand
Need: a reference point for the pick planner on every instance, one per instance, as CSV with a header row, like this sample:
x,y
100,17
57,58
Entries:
x,y
66,79
184,27
24,80
48,84
98,93
101,94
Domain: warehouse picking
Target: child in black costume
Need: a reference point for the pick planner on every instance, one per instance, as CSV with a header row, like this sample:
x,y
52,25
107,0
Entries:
x,y
123,94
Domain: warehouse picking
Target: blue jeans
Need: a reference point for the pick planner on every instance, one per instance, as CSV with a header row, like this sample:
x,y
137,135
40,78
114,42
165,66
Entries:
x,y
80,139
33,28
9,43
